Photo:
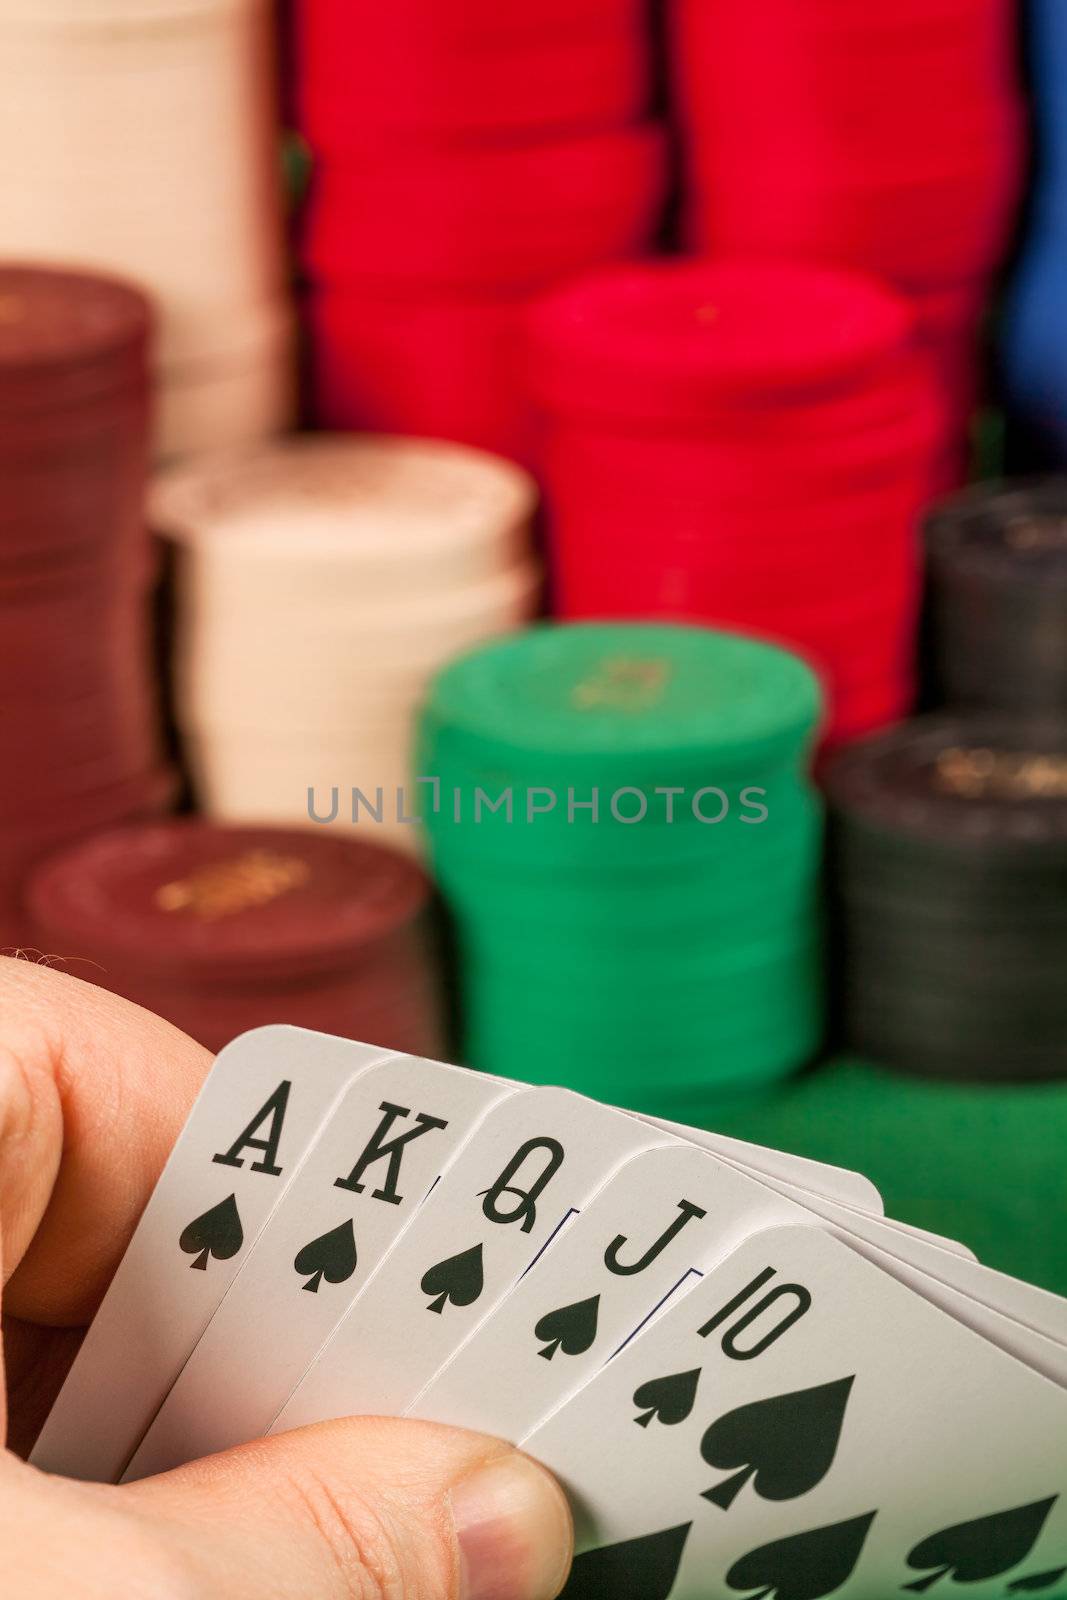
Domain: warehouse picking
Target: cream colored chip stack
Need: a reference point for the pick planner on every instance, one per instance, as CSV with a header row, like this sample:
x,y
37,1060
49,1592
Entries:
x,y
140,137
321,582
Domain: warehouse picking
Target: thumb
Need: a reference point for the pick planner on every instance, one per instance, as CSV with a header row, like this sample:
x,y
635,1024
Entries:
x,y
369,1509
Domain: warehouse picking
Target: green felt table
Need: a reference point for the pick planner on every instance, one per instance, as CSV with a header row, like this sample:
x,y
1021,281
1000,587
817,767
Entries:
x,y
985,1164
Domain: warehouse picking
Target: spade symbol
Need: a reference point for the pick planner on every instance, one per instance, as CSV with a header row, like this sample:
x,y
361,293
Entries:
x,y
669,1400
984,1548
637,1569
459,1279
571,1329
1037,1581
217,1233
785,1444
805,1566
333,1257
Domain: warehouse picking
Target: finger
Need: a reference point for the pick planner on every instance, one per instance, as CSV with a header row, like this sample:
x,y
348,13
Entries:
x,y
93,1093
371,1508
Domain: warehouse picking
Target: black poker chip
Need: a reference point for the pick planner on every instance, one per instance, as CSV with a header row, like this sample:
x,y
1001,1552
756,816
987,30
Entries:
x,y
948,874
997,597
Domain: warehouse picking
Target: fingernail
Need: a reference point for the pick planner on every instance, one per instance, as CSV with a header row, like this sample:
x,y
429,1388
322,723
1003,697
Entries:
x,y
514,1531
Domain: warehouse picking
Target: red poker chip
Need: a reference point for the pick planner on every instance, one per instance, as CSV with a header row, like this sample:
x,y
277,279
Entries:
x,y
910,168
849,624
189,896
624,578
918,229
434,368
581,538
459,23
487,219
406,84
716,468
674,339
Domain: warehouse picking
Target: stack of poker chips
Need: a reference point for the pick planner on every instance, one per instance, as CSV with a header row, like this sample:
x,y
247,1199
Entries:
x,y
224,929
629,847
742,444
949,868
1033,344
885,137
997,597
320,583
77,715
140,139
466,155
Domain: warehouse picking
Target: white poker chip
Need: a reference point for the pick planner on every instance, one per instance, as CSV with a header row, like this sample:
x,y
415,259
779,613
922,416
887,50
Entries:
x,y
293,781
320,584
141,141
387,511
245,394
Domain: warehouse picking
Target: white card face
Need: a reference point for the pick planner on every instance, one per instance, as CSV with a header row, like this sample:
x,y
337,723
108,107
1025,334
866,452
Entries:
x,y
959,1284
650,1234
261,1106
1047,1356
802,1425
570,1314
534,1163
835,1183
387,1141
951,1277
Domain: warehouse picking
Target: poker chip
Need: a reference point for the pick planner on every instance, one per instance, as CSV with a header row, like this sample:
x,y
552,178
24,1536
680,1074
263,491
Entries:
x,y
889,139
224,929
320,582
745,444
186,202
1033,328
949,878
77,702
464,159
455,73
997,597
622,828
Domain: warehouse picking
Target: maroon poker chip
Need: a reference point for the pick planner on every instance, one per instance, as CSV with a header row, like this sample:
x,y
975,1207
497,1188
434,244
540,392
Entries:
x,y
55,319
77,696
223,929
202,899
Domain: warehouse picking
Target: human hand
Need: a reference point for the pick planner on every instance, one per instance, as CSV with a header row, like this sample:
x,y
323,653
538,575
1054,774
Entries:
x,y
93,1092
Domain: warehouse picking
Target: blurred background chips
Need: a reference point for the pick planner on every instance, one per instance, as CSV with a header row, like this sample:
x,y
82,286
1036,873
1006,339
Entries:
x,y
684,307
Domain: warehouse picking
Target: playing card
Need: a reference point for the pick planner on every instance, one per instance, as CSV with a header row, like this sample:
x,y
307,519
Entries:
x,y
387,1140
582,1300
802,1424
536,1160
258,1111
652,1231
799,1172
953,1279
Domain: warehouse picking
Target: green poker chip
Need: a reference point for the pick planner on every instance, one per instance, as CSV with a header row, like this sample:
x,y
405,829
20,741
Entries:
x,y
665,934
604,696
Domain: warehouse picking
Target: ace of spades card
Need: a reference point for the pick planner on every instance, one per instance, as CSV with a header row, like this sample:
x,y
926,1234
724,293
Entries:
x,y
802,1425
259,1110
392,1133
533,1164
